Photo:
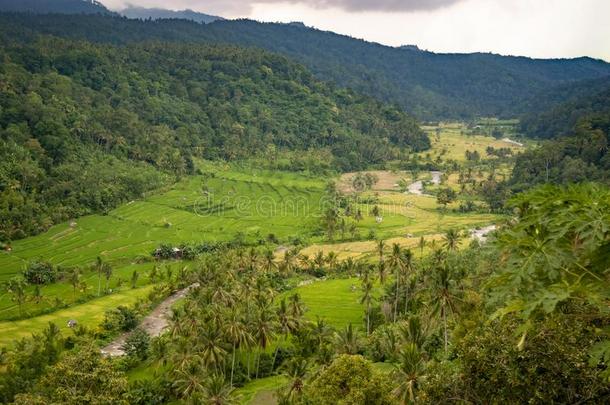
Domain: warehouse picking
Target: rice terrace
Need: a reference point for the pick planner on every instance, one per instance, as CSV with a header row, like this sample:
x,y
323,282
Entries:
x,y
217,210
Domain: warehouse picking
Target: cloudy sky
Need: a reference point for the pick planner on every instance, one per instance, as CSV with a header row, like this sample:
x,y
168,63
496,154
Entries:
x,y
537,28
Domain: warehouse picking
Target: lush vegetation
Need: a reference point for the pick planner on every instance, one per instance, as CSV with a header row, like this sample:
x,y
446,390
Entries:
x,y
426,84
451,326
86,127
187,222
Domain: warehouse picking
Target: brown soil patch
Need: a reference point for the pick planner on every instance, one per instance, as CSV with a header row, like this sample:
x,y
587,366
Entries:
x,y
387,180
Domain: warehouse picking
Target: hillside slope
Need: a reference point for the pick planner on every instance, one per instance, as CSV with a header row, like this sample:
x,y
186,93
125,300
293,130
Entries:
x,y
84,127
427,84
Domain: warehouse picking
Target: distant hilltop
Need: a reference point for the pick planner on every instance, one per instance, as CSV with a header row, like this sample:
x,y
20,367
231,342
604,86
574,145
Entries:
x,y
160,13
410,47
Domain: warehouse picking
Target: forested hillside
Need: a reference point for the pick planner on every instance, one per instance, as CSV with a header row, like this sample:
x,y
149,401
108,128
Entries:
x,y
54,6
84,127
429,85
556,112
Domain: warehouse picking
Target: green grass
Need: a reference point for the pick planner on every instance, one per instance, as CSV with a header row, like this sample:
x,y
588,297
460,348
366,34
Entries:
x,y
214,206
199,208
61,294
89,314
453,144
334,300
259,391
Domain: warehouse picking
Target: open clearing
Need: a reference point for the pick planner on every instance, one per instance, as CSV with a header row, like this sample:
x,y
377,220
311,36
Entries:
x,y
452,143
89,314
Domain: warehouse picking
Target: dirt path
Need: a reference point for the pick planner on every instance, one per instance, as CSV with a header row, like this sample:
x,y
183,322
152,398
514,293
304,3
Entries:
x,y
481,234
417,187
154,323
508,140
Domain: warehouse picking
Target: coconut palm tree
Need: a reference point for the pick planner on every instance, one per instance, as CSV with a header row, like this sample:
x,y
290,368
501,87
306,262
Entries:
x,y
296,370
422,245
380,249
412,331
381,272
17,288
269,261
264,331
408,269
209,345
216,391
239,336
319,260
321,332
451,240
100,268
74,278
442,294
347,341
297,309
331,259
397,264
408,372
286,325
107,274
367,299
188,379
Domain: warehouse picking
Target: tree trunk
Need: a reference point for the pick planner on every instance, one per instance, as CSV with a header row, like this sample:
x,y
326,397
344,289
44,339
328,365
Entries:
x,y
233,364
445,327
368,319
99,284
258,363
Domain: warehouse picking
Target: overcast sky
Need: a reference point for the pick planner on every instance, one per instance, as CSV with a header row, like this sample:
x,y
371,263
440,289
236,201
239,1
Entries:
x,y
537,28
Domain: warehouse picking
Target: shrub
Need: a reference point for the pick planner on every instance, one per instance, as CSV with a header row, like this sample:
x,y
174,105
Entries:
x,y
137,344
120,319
40,272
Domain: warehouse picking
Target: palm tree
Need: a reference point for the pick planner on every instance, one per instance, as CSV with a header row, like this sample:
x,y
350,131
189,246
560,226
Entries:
x,y
74,278
297,309
396,262
413,332
107,274
286,325
296,370
381,271
37,294
264,331
216,391
239,336
347,341
408,372
367,298
331,259
451,240
17,288
422,245
408,268
380,248
188,380
100,268
319,260
209,346
442,293
269,261
321,332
